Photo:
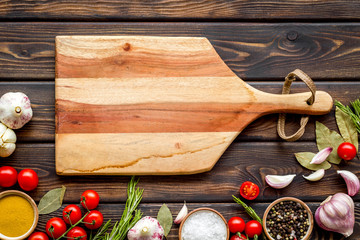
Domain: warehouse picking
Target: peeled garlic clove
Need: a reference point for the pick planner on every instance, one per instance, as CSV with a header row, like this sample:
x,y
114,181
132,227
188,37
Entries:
x,y
15,109
181,215
315,176
278,181
352,182
7,141
321,156
336,214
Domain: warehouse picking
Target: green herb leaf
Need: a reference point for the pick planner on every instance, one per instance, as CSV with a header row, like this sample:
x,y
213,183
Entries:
x,y
347,127
327,138
304,158
165,219
52,200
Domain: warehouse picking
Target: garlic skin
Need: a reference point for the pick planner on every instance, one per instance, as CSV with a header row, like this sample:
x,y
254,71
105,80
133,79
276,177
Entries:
x,y
278,181
181,215
315,176
321,156
336,214
15,109
147,228
352,182
7,141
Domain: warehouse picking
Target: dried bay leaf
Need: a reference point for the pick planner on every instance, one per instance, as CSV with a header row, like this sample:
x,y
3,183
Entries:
x,y
304,158
165,218
327,138
52,200
346,127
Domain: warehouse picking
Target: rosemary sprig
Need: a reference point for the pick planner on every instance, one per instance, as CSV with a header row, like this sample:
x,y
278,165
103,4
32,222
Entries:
x,y
354,114
101,231
248,209
130,216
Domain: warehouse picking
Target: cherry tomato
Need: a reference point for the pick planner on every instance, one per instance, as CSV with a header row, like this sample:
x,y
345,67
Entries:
x,y
236,237
38,236
8,176
346,151
77,233
28,179
253,228
90,199
94,219
236,224
71,214
249,190
55,227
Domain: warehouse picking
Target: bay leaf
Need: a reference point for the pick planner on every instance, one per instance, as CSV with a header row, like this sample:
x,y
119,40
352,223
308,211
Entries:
x,y
165,218
304,158
328,138
52,200
346,127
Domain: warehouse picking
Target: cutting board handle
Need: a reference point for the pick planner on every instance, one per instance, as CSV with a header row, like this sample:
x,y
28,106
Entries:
x,y
296,103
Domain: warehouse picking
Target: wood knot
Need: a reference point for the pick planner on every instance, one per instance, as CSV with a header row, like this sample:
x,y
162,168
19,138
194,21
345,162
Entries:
x,y
24,53
292,35
178,145
127,47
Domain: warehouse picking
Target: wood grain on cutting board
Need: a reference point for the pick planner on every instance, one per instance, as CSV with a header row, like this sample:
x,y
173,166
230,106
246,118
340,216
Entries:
x,y
153,105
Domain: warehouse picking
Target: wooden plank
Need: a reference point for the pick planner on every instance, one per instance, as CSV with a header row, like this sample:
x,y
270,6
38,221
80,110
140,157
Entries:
x,y
326,51
42,127
228,210
176,10
241,162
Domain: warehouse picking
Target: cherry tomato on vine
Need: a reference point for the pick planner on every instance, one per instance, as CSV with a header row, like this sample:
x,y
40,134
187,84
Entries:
x,y
94,219
236,224
55,227
249,190
253,228
8,176
236,237
38,236
77,233
90,199
71,214
346,151
28,179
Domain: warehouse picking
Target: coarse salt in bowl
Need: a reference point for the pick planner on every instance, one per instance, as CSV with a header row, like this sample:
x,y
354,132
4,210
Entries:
x,y
204,223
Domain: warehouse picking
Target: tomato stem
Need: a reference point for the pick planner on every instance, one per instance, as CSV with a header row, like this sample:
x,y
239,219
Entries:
x,y
72,226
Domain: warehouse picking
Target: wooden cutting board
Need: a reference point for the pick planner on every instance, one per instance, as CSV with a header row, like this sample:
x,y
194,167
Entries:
x,y
153,105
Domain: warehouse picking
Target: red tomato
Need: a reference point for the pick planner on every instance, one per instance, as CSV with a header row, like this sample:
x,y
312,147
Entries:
x,y
71,214
236,224
253,228
346,151
8,176
249,190
236,237
55,227
28,179
77,233
90,199
38,236
94,219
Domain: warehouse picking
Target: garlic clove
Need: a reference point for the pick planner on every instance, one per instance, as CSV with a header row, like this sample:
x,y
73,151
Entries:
x,y
15,110
315,176
6,149
336,214
2,129
9,136
278,181
181,215
321,156
352,182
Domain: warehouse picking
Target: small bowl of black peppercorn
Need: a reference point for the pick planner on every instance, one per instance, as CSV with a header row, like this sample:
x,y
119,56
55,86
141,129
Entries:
x,y
288,218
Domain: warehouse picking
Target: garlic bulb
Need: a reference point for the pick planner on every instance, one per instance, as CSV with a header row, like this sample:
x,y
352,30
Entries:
x,y
7,141
147,228
15,109
336,214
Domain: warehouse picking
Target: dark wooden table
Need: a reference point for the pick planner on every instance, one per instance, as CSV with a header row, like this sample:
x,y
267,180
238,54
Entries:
x,y
261,41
